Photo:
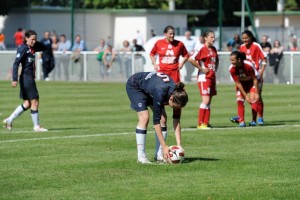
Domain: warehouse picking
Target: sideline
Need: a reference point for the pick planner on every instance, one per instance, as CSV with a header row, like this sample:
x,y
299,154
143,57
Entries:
x,y
128,133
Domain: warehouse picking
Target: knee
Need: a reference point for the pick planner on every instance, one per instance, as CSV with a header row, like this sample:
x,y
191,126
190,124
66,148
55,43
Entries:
x,y
144,120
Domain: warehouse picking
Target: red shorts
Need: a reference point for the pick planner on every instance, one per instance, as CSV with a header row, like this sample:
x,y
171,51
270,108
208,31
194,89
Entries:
x,y
174,74
208,87
248,87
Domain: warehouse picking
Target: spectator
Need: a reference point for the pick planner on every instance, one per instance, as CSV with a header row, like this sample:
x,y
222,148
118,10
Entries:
x,y
190,45
109,41
108,59
100,50
47,56
78,47
276,61
139,38
293,44
126,59
19,37
139,60
266,47
56,71
234,43
2,42
152,32
64,45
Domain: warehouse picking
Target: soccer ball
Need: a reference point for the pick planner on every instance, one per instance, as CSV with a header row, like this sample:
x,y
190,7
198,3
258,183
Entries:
x,y
176,155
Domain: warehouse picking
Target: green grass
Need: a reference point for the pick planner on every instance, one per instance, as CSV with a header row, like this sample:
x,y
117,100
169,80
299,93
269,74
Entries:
x,y
90,151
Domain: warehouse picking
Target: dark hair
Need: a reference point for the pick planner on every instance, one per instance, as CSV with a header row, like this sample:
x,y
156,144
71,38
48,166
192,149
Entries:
x,y
207,32
277,41
179,95
168,28
239,55
250,35
28,34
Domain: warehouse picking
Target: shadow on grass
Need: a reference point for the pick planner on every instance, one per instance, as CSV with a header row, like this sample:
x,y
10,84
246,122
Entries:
x,y
193,159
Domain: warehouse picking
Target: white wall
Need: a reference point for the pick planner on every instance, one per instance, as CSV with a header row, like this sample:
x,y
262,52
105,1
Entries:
x,y
126,27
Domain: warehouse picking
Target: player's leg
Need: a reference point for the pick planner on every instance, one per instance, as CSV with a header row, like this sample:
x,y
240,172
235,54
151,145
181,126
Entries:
x,y
253,107
141,132
139,103
204,92
211,92
240,118
260,104
16,113
35,116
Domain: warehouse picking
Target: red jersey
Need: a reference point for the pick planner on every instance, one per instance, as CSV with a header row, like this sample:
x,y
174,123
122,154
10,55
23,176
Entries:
x,y
18,38
169,54
254,53
245,73
207,58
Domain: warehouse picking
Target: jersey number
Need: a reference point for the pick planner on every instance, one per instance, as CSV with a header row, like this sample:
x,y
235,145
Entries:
x,y
164,77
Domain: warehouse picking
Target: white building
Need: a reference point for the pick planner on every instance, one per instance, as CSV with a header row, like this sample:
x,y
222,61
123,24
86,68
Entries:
x,y
95,24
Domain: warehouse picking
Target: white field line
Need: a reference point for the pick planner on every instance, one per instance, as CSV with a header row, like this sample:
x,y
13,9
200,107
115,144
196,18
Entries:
x,y
128,133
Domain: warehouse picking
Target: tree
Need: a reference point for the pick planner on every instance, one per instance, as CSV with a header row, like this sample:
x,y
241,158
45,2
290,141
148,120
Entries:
x,y
7,5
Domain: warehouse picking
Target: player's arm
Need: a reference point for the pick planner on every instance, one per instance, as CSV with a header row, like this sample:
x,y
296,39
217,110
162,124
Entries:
x,y
263,67
177,130
255,84
15,75
241,89
185,56
157,113
165,148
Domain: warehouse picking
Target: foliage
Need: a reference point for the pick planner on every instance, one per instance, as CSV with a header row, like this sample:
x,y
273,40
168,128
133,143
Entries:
x,y
7,5
210,19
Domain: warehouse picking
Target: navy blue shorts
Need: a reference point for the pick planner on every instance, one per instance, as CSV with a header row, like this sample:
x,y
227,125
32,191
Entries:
x,y
139,100
28,89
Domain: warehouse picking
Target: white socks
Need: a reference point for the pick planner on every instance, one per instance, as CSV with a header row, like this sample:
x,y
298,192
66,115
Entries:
x,y
17,112
140,141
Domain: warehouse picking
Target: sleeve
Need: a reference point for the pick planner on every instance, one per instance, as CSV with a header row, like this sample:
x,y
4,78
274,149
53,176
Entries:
x,y
68,45
20,54
184,52
233,75
197,51
153,51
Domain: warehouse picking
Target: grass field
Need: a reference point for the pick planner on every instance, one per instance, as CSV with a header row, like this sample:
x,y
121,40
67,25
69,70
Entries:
x,y
90,152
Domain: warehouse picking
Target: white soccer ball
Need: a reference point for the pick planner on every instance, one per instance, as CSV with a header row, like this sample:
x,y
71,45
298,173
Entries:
x,y
176,155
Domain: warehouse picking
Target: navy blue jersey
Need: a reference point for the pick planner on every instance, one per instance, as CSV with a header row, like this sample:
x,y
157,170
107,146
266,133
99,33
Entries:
x,y
48,47
150,88
26,56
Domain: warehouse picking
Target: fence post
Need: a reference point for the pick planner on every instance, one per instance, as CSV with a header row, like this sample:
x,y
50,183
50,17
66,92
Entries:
x,y
132,63
84,67
292,69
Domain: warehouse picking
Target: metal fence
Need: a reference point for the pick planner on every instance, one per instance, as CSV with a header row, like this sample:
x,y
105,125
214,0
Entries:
x,y
88,68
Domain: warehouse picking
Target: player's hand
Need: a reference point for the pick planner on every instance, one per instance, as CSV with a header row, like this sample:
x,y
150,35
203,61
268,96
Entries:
x,y
205,70
180,147
156,67
248,100
166,150
14,84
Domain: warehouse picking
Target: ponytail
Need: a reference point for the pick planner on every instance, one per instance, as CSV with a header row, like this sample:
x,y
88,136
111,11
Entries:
x,y
179,95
